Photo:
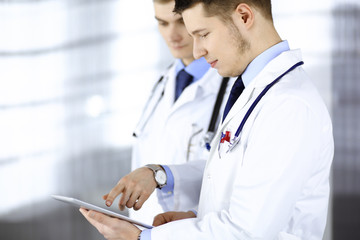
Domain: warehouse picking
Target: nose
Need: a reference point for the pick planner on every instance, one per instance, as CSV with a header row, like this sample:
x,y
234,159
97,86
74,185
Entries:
x,y
174,35
198,49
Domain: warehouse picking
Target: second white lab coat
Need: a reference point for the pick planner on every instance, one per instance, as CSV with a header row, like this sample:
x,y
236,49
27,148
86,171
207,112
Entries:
x,y
274,184
174,135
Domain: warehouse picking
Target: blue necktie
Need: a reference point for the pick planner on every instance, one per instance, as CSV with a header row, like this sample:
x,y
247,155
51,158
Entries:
x,y
235,92
183,79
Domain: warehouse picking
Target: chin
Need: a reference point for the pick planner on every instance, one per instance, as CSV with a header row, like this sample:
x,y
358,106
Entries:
x,y
179,54
230,73
225,73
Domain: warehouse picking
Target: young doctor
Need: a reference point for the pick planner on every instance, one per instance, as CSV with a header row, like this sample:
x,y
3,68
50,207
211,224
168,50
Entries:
x,y
179,114
267,176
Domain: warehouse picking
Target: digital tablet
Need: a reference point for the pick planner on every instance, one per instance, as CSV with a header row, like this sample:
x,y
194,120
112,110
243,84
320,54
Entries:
x,y
78,203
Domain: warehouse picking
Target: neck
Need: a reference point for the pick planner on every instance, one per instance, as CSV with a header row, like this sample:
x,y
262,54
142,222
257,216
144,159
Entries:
x,y
266,37
187,61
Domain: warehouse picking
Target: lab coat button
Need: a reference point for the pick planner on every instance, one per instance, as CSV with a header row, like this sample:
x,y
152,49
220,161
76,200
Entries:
x,y
209,176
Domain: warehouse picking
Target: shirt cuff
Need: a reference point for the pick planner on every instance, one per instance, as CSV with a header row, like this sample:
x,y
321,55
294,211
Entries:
x,y
195,212
145,234
169,187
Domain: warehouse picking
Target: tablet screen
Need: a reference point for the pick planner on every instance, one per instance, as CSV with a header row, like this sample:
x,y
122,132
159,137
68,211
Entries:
x,y
78,203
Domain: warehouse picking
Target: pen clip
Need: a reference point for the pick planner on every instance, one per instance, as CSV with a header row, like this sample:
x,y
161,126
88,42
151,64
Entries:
x,y
233,143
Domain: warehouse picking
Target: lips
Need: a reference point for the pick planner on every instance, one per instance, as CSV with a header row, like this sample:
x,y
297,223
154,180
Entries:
x,y
177,46
213,63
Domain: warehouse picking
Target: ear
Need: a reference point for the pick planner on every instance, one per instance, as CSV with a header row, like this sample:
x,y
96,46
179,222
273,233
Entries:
x,y
245,15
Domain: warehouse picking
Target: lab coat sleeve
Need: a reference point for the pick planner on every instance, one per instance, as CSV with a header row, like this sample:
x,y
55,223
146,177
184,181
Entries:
x,y
287,157
187,185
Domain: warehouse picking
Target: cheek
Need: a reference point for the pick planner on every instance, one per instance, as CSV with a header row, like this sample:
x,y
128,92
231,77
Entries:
x,y
187,38
218,46
164,32
229,52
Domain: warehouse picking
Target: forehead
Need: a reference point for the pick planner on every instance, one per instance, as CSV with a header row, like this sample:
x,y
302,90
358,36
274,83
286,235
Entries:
x,y
195,19
164,11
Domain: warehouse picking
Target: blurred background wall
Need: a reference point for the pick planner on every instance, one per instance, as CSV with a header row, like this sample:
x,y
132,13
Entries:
x,y
75,74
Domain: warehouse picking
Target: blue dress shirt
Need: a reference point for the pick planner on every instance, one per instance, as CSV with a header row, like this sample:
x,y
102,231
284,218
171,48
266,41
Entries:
x,y
196,68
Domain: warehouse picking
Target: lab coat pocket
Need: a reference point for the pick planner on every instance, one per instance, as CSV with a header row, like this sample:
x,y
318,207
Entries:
x,y
234,142
224,141
223,148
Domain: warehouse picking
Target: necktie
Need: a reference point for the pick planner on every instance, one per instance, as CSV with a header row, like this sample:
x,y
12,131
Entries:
x,y
183,79
235,92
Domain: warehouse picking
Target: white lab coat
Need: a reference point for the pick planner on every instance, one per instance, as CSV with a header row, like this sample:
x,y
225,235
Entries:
x,y
171,129
274,184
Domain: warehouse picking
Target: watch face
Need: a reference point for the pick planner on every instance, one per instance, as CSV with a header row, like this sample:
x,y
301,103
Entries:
x,y
160,177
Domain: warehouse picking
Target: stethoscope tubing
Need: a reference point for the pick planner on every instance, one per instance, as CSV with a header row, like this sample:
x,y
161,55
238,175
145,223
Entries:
x,y
142,123
236,137
261,95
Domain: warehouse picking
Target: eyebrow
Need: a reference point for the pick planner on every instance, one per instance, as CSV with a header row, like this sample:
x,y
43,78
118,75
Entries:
x,y
159,19
162,20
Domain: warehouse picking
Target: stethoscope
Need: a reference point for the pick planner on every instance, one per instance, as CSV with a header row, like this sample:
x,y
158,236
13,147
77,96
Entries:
x,y
148,112
236,138
157,94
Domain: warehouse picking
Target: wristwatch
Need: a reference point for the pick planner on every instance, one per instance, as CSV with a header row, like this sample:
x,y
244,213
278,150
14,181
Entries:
x,y
159,175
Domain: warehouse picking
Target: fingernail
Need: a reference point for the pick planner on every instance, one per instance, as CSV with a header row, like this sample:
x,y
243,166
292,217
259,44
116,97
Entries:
x,y
108,203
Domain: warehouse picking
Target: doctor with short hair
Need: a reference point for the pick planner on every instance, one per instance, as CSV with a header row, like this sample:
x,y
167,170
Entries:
x,y
267,176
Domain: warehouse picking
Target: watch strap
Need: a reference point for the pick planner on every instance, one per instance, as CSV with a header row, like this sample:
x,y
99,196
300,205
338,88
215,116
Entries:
x,y
156,168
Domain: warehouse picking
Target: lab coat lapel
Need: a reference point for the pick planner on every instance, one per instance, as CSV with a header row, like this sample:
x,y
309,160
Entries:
x,y
196,90
169,94
274,69
237,107
240,103
189,94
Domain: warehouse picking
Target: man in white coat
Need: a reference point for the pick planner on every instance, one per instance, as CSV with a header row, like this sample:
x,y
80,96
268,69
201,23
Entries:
x,y
267,176
175,119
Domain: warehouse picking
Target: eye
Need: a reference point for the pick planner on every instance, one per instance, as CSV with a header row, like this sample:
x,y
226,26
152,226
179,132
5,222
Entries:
x,y
162,23
203,36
